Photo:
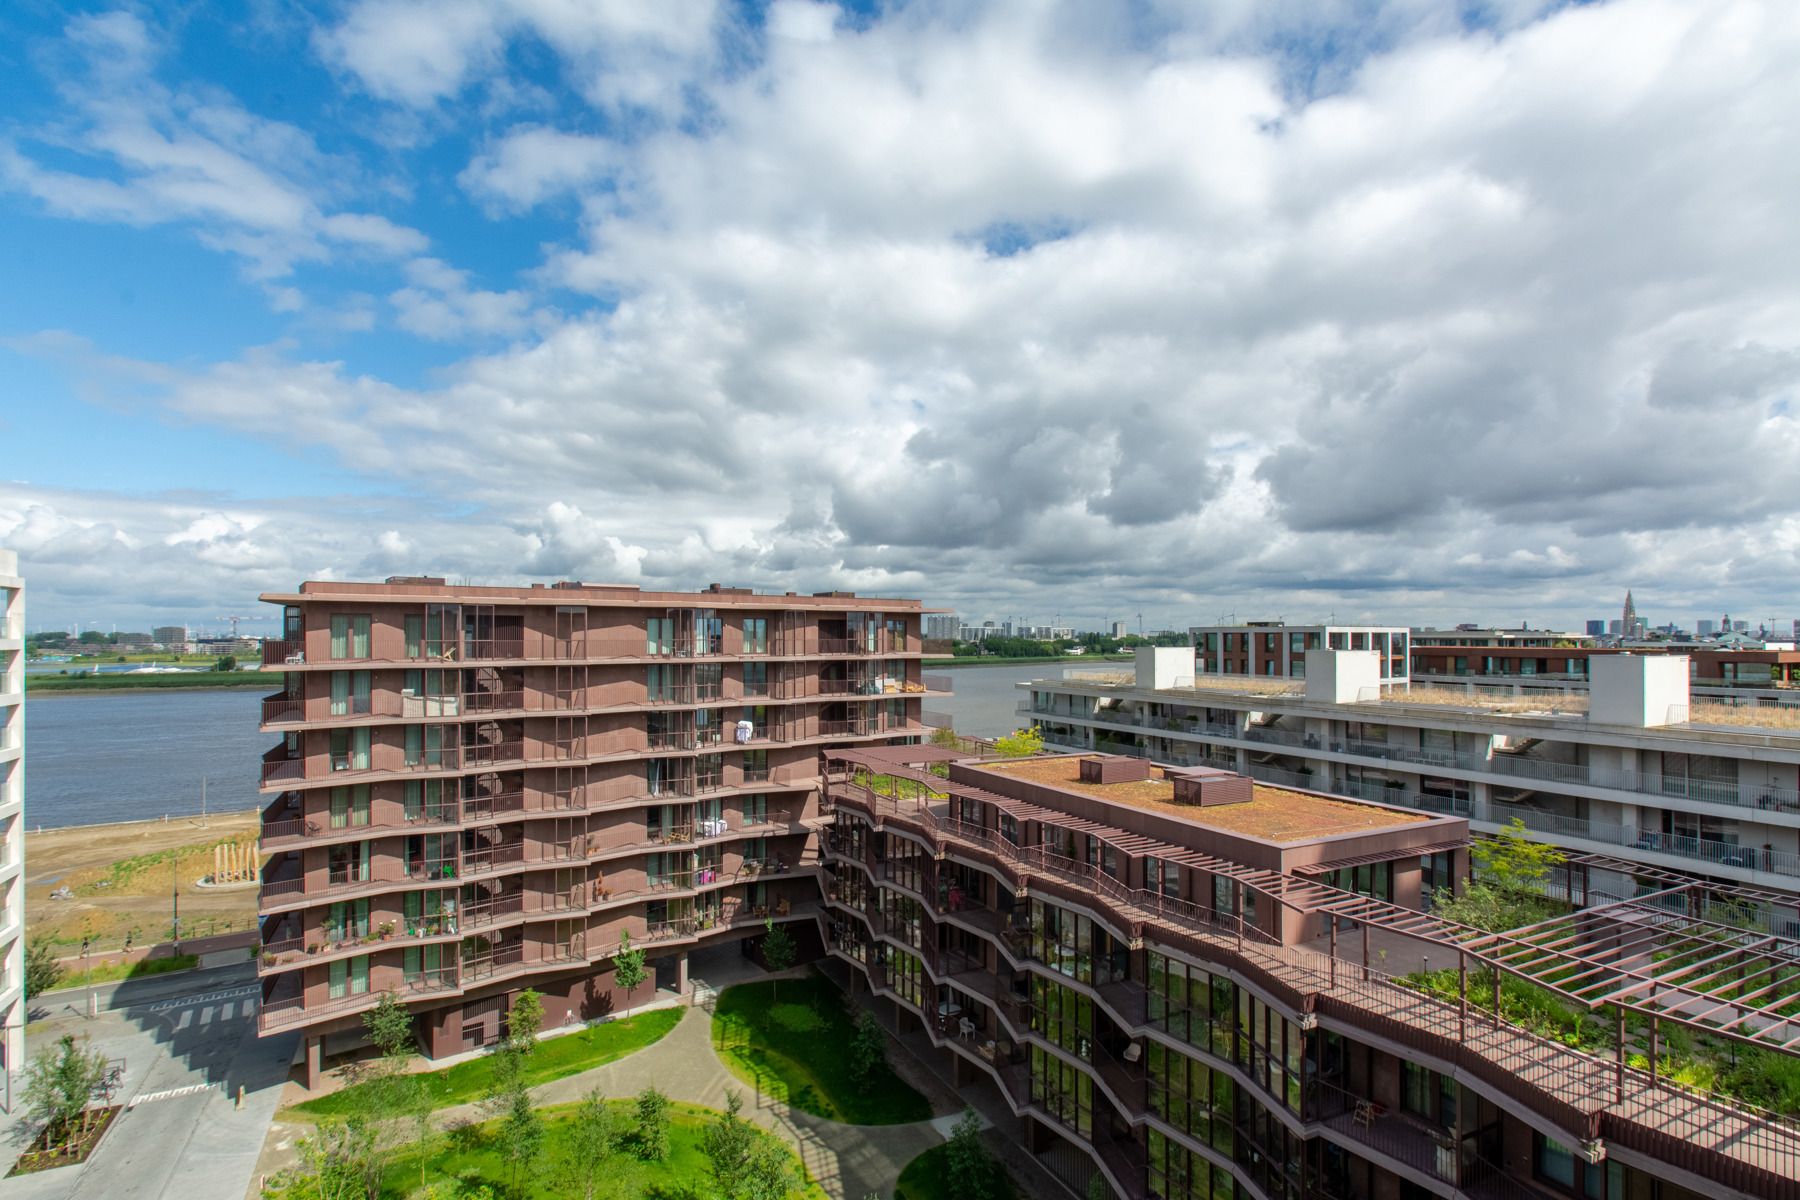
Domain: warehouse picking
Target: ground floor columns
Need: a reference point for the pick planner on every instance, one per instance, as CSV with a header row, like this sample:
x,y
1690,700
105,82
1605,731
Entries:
x,y
315,1060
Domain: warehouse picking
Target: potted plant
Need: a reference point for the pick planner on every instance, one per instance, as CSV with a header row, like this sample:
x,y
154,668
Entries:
x,y
312,947
386,930
268,960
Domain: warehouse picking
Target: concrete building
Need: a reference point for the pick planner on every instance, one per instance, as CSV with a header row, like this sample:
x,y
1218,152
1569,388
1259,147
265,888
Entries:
x,y
1275,648
1596,627
170,636
1186,985
1119,630
1706,627
1754,664
1475,635
12,819
941,627
480,789
1635,766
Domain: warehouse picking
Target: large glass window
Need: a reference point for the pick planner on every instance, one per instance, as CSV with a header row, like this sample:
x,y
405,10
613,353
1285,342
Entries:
x,y
659,635
1063,1016
349,635
350,749
1270,1049
1191,1004
349,977
349,806
756,635
1063,1090
756,679
1190,1095
1176,1173
1425,1093
349,693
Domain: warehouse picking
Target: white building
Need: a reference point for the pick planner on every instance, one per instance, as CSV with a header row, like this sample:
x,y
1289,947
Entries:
x,y
12,817
1628,769
941,627
1275,648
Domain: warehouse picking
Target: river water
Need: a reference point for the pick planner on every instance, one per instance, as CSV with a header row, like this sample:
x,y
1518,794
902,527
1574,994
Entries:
x,y
128,756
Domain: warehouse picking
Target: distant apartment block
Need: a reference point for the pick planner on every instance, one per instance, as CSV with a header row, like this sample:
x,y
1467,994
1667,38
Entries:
x,y
1712,666
12,818
1635,765
1271,648
1184,984
941,627
479,789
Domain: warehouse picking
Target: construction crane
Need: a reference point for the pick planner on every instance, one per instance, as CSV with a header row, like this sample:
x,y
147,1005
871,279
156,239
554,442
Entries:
x,y
234,623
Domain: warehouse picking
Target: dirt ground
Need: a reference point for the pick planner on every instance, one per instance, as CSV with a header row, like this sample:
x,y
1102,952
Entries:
x,y
121,878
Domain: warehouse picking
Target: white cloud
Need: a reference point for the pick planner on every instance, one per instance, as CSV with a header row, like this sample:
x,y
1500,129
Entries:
x,y
1022,307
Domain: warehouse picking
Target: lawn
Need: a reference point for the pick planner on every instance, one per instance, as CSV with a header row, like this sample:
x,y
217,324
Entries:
x,y
467,1158
925,1178
553,1058
107,972
790,1044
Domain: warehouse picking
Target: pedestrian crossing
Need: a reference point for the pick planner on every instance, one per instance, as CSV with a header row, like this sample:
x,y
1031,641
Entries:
x,y
244,996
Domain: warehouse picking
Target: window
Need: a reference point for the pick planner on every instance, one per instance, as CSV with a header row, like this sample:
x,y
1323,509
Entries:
x,y
350,977
349,636
414,626
346,920
1425,1093
1559,1164
756,766
756,635
349,806
424,964
659,635
755,809
1063,1090
350,749
756,679
1063,1016
709,681
349,693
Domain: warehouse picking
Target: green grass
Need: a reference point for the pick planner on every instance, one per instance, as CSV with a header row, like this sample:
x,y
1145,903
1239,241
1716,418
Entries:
x,y
554,1058
117,681
108,972
925,1178
790,1044
1003,661
468,1158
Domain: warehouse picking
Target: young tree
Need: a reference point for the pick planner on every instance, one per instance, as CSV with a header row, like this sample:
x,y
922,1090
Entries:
x,y
1506,891
333,1165
58,1084
393,1098
1021,743
778,951
652,1125
592,1136
943,735
769,1175
42,971
727,1144
226,662
390,1026
868,1046
510,1079
521,1137
968,1167
628,968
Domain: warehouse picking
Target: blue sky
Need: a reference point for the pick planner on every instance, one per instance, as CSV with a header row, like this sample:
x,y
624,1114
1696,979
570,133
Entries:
x,y
1023,307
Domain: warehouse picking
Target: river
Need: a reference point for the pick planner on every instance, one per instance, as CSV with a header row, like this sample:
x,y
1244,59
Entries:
x,y
127,756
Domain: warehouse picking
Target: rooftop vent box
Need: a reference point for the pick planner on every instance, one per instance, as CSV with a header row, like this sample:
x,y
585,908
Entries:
x,y
416,580
1114,769
568,584
1205,787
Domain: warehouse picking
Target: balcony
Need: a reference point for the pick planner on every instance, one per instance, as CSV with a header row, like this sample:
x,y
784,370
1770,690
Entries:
x,y
279,767
492,858
283,652
282,709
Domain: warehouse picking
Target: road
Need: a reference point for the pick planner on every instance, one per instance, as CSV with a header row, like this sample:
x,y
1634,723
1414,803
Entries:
x,y
189,1043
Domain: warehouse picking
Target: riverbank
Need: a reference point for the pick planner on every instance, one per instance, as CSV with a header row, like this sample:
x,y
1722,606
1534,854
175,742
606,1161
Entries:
x,y
121,877
116,681
1060,660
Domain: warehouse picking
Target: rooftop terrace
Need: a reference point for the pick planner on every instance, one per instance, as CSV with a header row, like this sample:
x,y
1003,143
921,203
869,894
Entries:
x,y
1273,814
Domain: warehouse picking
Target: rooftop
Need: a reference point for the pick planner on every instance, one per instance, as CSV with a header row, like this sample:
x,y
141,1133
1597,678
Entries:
x,y
1273,814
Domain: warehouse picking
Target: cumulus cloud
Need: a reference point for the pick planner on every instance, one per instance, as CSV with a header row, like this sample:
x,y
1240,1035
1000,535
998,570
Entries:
x,y
1033,308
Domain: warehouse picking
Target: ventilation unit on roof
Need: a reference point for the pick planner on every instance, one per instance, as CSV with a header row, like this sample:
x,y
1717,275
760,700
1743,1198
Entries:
x,y
1206,787
1114,769
416,580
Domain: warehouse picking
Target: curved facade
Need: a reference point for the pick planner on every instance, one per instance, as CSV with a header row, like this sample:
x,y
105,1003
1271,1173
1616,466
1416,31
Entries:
x,y
481,789
1129,983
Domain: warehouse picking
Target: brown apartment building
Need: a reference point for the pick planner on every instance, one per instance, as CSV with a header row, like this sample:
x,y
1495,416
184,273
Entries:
x,y
1183,984
480,789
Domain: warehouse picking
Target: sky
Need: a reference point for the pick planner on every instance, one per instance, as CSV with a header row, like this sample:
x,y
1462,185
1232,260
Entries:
x,y
1416,311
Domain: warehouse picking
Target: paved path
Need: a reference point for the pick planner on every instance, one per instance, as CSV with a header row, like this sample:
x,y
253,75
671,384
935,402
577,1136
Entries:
x,y
848,1161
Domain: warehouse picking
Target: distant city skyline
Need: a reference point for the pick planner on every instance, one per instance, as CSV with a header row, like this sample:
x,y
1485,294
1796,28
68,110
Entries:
x,y
1407,313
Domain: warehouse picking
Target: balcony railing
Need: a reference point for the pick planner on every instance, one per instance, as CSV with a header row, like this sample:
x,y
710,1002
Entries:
x,y
281,708
486,964
492,858
282,652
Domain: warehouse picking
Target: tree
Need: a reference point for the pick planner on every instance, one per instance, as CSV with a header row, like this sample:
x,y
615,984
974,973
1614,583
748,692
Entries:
x,y
943,735
652,1125
92,637
868,1047
1507,890
1021,743
510,1083
769,1175
728,1144
628,968
42,971
969,1170
226,662
591,1138
393,1096
333,1165
521,1136
59,1082
778,951
390,1027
